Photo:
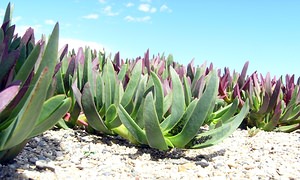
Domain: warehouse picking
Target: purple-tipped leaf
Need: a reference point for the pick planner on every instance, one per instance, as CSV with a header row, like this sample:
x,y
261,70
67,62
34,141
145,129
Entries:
x,y
8,95
243,74
147,62
63,51
274,97
28,36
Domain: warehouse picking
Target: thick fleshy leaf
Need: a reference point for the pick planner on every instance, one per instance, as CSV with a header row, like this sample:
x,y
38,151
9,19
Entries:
x,y
202,110
178,104
7,63
109,79
154,134
214,136
139,96
28,65
132,84
231,111
131,125
274,97
159,96
8,95
53,110
87,69
91,112
8,14
187,91
111,113
122,72
21,128
243,74
49,58
69,74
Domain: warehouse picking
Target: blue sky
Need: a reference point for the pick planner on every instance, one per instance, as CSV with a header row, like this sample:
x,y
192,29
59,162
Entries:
x,y
227,33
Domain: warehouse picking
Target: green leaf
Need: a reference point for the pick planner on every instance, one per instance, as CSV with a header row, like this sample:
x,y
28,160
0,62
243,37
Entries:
x,y
53,110
87,69
167,102
153,132
231,111
288,128
109,84
132,127
178,104
99,91
26,119
8,15
214,136
159,96
139,96
1,35
90,110
132,84
111,113
49,58
200,113
122,73
187,91
186,116
60,88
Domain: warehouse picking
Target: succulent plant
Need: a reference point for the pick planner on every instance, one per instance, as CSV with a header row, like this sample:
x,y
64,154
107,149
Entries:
x,y
181,127
26,74
273,106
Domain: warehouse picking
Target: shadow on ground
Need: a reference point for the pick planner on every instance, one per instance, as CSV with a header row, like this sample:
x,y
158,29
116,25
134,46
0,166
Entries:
x,y
41,144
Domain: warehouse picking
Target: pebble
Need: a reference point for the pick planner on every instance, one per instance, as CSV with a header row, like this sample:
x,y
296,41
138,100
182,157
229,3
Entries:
x,y
74,154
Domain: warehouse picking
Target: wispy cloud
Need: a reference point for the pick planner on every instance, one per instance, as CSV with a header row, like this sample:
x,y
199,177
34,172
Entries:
x,y
147,8
108,11
137,19
148,1
38,30
49,22
102,1
16,19
130,4
2,12
165,8
91,16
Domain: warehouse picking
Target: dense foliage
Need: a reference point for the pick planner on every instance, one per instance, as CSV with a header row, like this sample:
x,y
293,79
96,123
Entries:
x,y
148,101
27,108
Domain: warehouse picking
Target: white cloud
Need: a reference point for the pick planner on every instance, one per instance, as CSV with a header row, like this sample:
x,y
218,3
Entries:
x,y
129,18
137,19
147,8
91,16
38,30
102,1
108,11
165,8
148,1
16,19
49,22
130,4
2,12
77,43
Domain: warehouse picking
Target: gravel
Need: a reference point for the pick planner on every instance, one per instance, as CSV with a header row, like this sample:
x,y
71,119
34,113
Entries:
x,y
74,154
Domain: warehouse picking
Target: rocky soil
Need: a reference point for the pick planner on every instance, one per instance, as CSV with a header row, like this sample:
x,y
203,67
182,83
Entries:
x,y
74,154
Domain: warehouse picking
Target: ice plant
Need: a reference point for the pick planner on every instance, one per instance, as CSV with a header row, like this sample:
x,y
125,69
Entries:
x,y
155,126
101,99
273,106
26,73
290,106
